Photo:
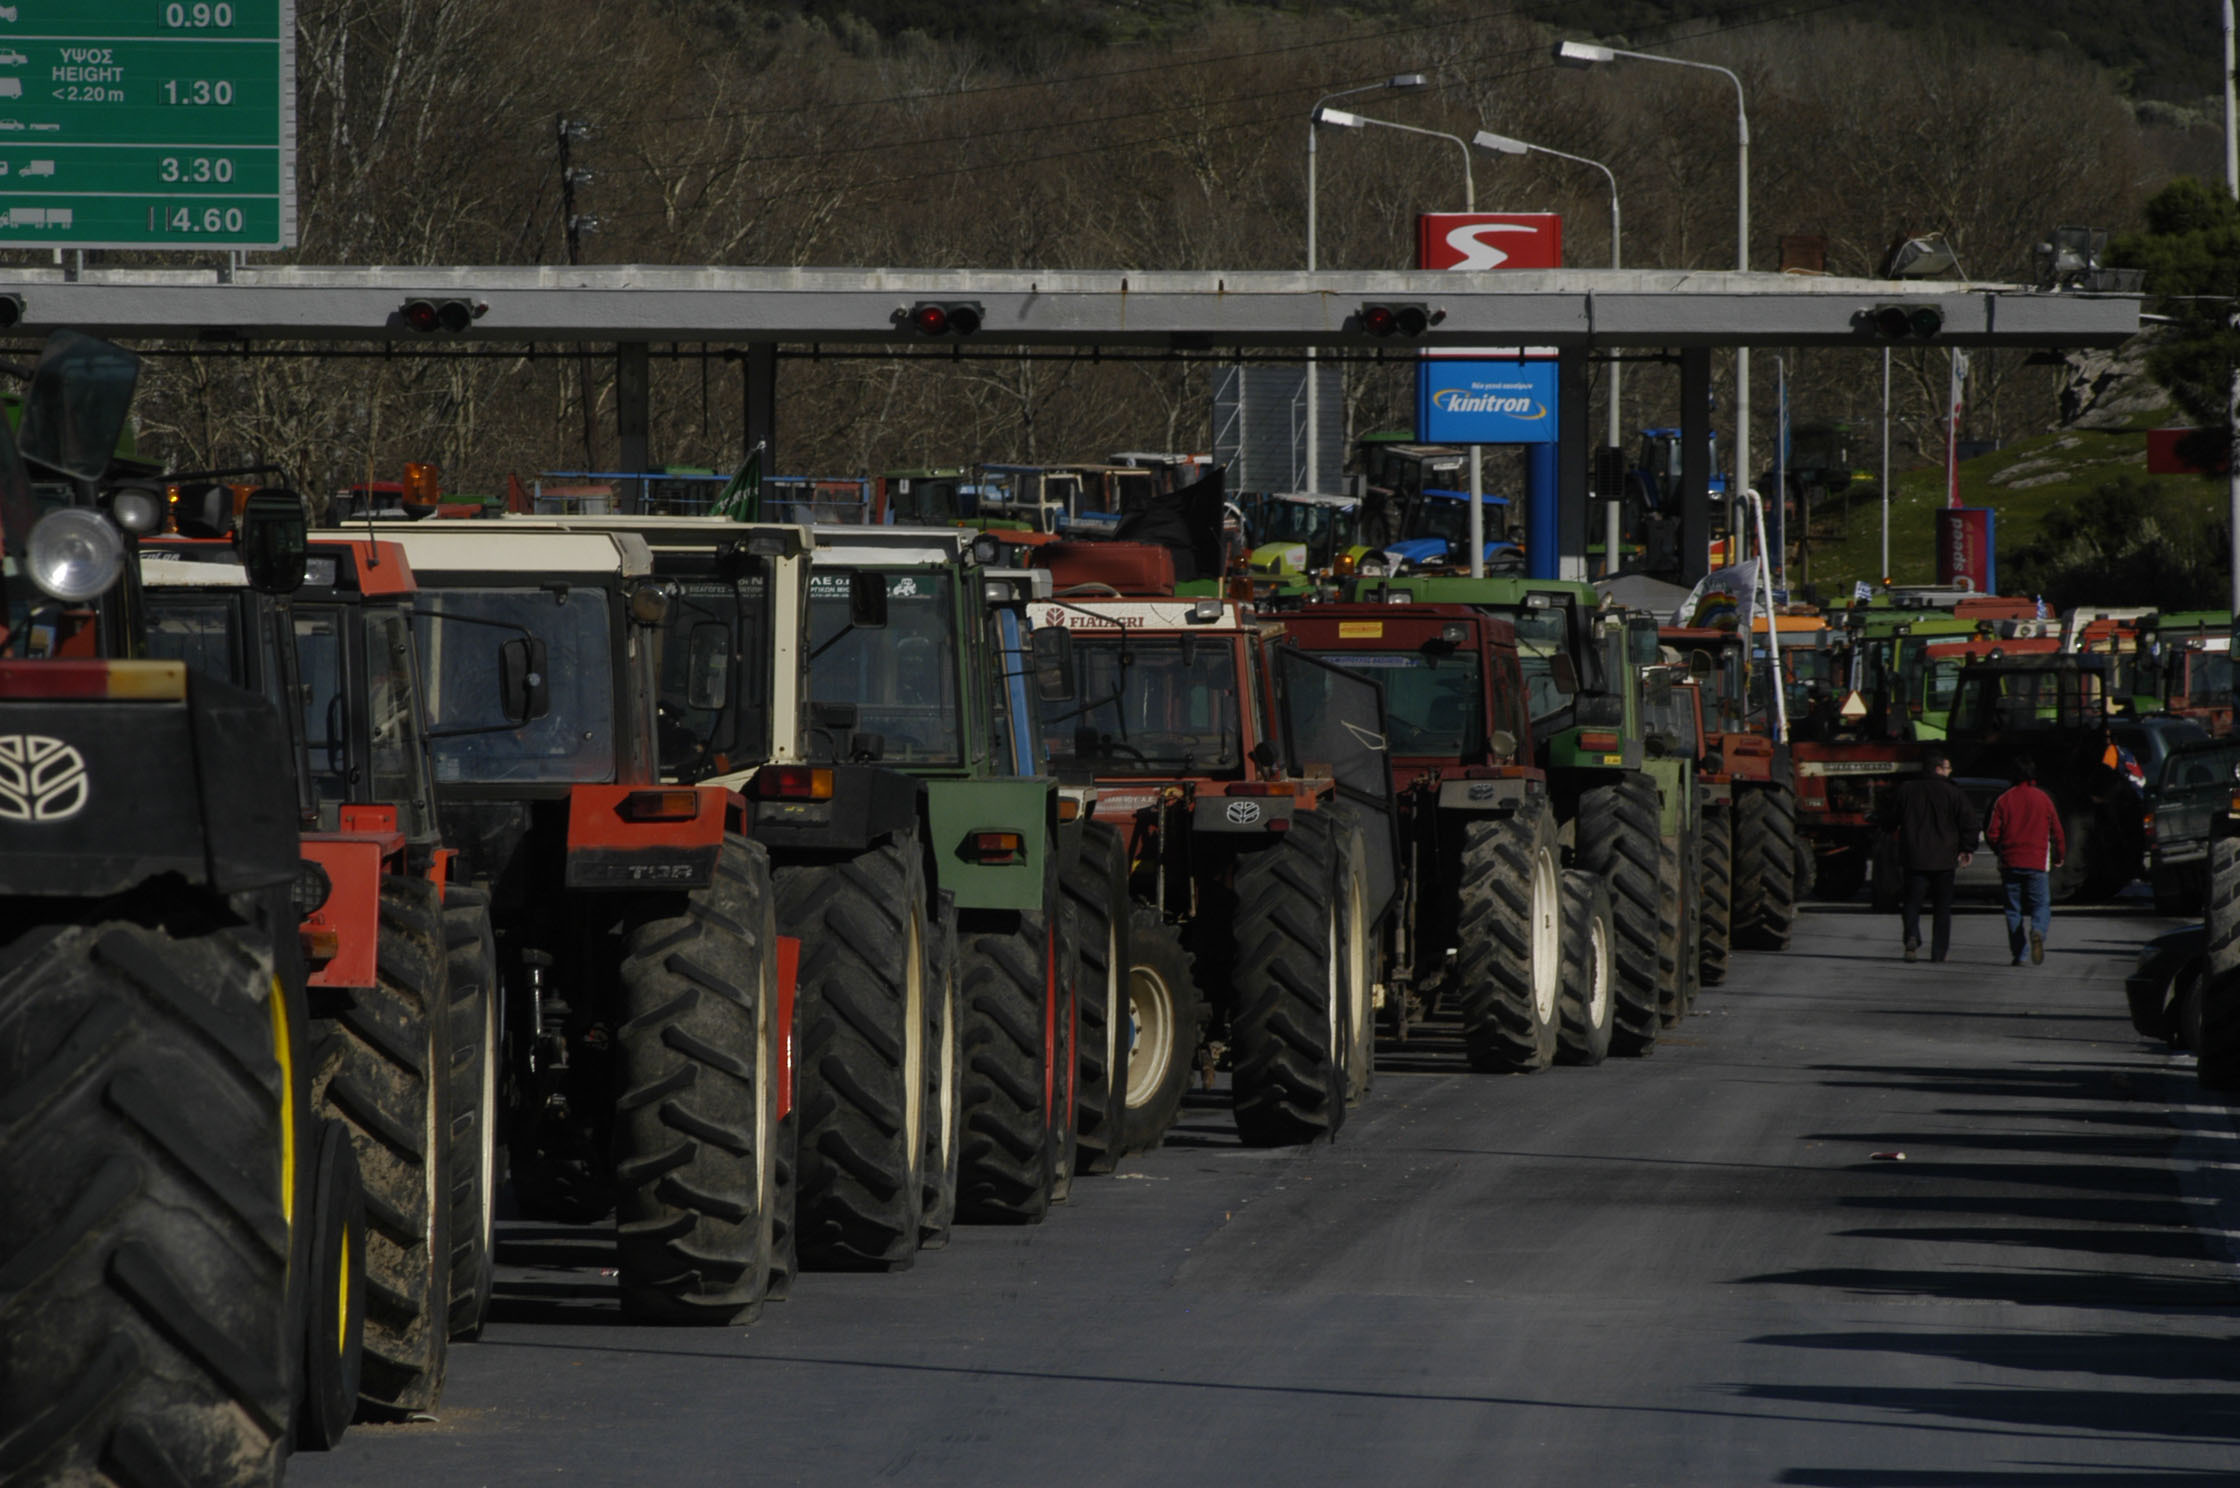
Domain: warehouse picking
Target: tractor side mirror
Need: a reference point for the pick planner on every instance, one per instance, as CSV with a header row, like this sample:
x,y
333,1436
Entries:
x,y
1051,650
708,666
521,679
1504,744
1563,674
273,540
867,600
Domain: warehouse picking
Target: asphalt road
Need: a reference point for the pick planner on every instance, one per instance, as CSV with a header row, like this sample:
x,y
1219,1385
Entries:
x,y
1684,1270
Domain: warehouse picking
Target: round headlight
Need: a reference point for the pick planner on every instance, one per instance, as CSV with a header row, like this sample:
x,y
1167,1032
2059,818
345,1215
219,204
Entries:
x,y
136,510
75,554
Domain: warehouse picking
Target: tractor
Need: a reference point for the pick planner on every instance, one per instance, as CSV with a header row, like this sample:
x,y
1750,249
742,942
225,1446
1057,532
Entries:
x,y
185,1237
1250,782
1478,913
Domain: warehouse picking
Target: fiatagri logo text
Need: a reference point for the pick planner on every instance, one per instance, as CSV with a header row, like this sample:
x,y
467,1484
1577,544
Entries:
x,y
1481,400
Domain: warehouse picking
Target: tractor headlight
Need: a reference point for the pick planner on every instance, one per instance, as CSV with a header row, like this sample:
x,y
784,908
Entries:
x,y
75,554
136,509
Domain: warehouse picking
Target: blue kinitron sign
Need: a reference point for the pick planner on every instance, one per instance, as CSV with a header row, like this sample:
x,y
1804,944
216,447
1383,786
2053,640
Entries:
x,y
1486,402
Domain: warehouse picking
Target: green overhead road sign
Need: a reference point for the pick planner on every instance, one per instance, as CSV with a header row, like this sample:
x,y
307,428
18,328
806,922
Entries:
x,y
147,124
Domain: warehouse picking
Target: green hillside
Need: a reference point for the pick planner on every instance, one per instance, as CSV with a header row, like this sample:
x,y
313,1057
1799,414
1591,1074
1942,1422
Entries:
x,y
2052,493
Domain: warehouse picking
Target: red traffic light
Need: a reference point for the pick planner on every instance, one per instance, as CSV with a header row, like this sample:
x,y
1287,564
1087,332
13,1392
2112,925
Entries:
x,y
1389,320
945,317
428,316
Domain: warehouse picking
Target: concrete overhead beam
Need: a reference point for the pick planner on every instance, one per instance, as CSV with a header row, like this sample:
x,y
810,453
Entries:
x,y
1599,308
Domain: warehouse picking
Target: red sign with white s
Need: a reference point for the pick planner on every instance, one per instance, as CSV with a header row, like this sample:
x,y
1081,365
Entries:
x,y
1489,240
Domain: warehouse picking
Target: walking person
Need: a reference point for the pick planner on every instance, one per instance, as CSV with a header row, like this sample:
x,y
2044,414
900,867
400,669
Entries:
x,y
1936,829
2025,831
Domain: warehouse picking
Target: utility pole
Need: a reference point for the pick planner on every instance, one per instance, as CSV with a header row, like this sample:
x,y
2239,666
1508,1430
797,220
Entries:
x,y
568,131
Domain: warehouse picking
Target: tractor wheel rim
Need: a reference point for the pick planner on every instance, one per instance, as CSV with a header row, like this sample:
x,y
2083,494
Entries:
x,y
1547,937
1151,1033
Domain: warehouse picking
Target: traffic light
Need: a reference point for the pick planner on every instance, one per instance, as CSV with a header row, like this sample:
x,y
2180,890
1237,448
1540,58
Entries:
x,y
945,317
1903,322
11,310
452,316
1395,319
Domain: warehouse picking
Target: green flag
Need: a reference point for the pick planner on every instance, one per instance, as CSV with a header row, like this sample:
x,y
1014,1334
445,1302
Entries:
x,y
741,496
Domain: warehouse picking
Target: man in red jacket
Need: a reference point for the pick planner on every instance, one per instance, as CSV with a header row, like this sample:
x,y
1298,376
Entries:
x,y
2025,831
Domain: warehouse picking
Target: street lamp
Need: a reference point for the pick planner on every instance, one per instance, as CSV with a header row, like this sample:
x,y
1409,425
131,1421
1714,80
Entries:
x,y
1344,120
1592,54
1339,118
1398,81
1486,139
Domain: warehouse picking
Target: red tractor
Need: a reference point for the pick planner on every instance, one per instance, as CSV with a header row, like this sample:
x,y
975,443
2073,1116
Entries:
x,y
1755,825
1478,919
1250,782
401,987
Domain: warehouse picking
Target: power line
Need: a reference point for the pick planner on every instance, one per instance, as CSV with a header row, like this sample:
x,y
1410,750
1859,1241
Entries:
x,y
1106,147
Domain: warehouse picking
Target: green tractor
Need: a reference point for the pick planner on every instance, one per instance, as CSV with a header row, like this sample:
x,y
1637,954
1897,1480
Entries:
x,y
1624,817
925,694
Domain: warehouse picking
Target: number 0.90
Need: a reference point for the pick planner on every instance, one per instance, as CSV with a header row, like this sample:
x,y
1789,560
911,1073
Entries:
x,y
197,15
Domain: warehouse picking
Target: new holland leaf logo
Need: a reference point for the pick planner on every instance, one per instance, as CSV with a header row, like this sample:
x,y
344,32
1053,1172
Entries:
x,y
42,779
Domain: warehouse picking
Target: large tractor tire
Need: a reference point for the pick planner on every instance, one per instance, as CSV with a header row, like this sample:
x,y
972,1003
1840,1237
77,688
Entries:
x,y
1718,896
380,1058
2216,1016
860,1066
1590,934
334,1307
1289,1038
471,1145
146,1128
1509,939
1357,952
1097,883
2221,912
1765,868
696,1097
1617,841
1887,884
944,1082
1165,1021
1017,1065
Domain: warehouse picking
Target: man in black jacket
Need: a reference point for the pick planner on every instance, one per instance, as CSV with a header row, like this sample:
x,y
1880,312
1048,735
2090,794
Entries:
x,y
1937,830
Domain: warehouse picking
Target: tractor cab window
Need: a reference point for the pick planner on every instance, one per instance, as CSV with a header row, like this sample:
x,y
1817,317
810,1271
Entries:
x,y
1434,703
1152,706
1544,633
902,679
470,650
715,661
2208,677
202,630
1668,709
396,758
326,721
2006,702
924,501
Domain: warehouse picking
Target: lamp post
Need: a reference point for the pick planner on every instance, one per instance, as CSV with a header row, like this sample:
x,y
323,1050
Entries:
x,y
1344,120
1401,80
1486,139
1591,54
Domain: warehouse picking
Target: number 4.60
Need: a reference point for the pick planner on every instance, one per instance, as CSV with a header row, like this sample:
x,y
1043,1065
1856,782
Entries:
x,y
211,220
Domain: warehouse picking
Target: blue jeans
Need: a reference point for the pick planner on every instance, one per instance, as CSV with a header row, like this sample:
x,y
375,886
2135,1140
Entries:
x,y
2027,894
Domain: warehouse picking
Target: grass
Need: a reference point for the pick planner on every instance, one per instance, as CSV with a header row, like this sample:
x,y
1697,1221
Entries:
x,y
2025,482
